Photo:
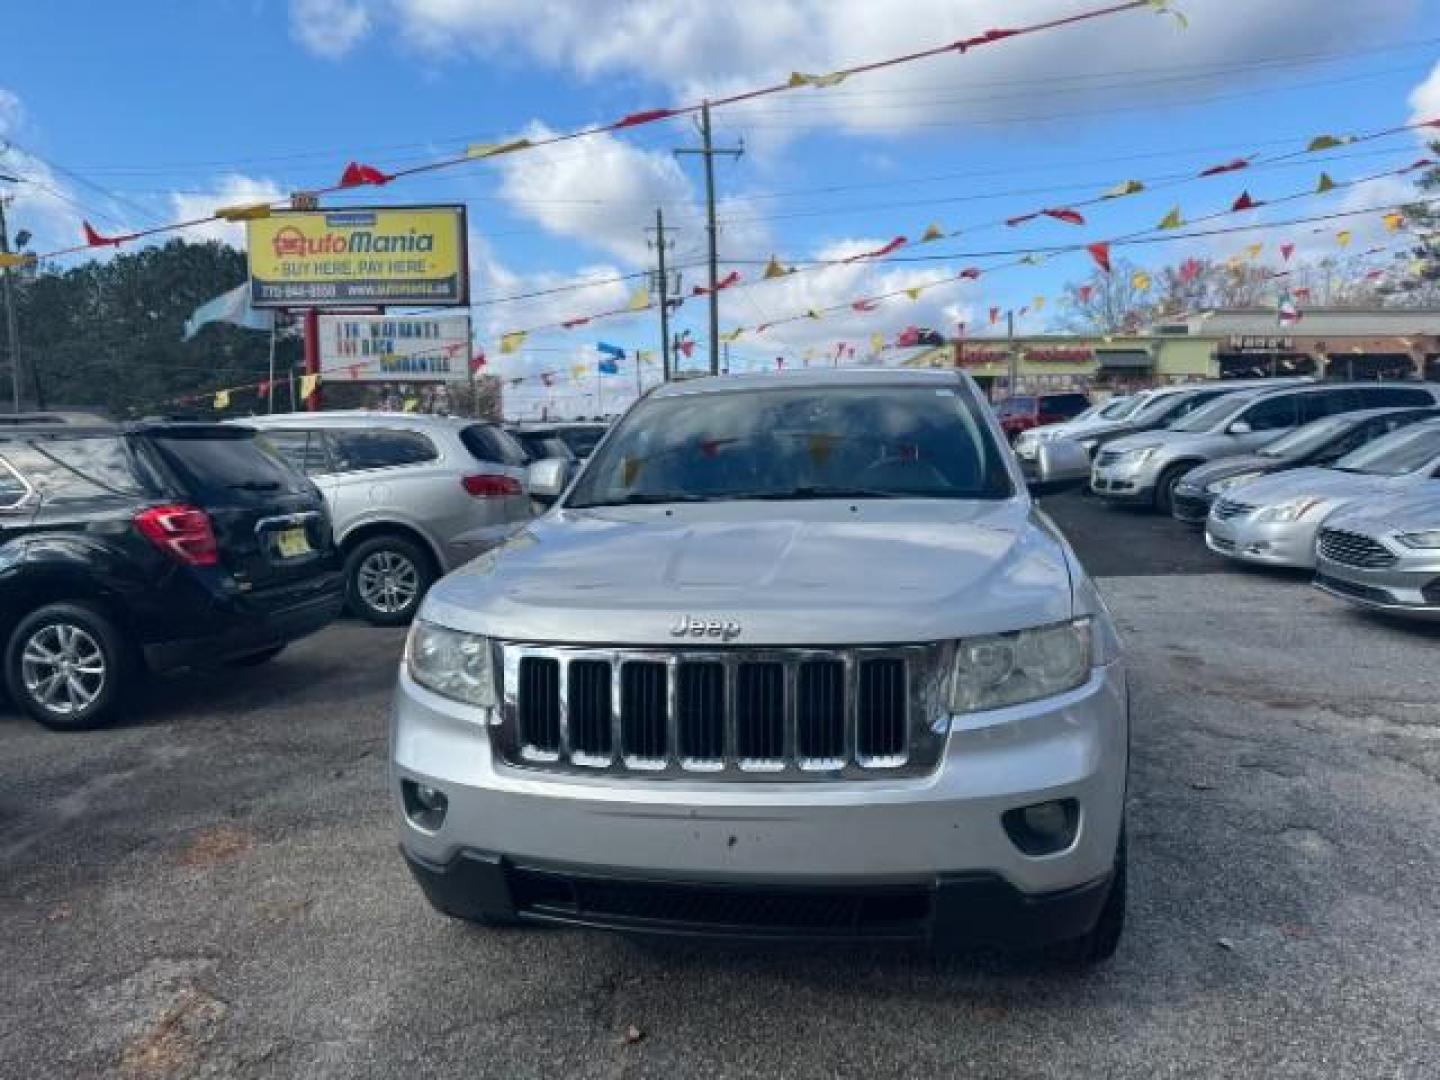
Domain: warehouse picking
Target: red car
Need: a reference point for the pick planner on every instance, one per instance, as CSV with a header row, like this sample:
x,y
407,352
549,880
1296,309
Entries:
x,y
1026,411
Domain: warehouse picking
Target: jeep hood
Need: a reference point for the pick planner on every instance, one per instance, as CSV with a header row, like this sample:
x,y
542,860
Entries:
x,y
821,573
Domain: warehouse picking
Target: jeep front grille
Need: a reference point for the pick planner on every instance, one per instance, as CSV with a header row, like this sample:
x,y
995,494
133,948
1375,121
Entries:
x,y
782,714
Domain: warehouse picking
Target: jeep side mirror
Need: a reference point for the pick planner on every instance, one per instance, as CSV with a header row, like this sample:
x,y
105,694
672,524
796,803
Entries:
x,y
548,479
1059,464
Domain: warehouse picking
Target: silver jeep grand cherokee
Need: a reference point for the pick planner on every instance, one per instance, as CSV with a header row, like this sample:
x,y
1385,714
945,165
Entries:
x,y
795,656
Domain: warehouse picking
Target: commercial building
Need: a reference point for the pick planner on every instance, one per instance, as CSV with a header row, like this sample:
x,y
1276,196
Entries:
x,y
1344,343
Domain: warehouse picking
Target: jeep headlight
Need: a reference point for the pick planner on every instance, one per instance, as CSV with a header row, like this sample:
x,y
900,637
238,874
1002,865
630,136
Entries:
x,y
1422,541
1291,510
1009,669
452,663
1220,486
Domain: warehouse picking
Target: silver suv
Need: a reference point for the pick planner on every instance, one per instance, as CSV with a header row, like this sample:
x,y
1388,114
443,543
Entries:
x,y
1147,468
794,656
411,497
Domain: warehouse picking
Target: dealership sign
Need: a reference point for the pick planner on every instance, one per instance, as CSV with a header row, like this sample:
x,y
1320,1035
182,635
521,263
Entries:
x,y
395,348
402,256
1060,355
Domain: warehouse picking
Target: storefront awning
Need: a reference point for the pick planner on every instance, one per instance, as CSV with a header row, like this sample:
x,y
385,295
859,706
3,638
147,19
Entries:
x,y
1124,359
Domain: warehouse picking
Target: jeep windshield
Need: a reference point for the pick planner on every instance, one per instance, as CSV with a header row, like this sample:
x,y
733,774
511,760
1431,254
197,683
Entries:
x,y
798,443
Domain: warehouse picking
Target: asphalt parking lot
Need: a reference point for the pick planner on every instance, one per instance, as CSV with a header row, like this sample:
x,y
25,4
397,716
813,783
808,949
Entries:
x,y
214,890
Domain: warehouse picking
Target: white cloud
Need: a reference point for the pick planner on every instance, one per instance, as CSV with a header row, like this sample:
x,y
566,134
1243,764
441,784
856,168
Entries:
x,y
44,205
690,48
233,189
1425,100
330,28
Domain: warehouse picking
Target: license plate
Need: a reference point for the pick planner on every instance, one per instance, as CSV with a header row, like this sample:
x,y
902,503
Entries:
x,y
293,543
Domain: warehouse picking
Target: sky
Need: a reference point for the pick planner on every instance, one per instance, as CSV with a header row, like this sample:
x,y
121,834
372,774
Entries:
x,y
135,114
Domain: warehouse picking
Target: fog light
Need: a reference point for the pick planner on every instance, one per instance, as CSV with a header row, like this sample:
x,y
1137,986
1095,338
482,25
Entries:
x,y
1045,828
425,806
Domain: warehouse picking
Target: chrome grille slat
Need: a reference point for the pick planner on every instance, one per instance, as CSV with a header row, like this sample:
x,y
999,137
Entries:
x,y
1355,549
805,714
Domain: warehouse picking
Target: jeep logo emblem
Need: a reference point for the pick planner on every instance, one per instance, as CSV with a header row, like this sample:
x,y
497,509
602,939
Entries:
x,y
689,626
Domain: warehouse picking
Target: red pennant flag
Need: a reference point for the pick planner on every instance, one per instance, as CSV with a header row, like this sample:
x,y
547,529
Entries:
x,y
1228,167
880,253
986,38
971,273
724,283
1286,250
358,175
1101,254
1070,217
1423,163
95,239
864,305
1245,202
647,117
686,346
573,323
1012,222
1085,292
1190,270
994,315
264,388
478,361
1302,294
909,337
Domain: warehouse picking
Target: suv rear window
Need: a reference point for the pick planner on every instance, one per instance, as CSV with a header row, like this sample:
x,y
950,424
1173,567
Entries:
x,y
493,446
62,470
370,449
224,462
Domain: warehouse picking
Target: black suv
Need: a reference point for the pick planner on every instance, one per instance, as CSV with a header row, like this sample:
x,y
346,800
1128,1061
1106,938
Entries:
x,y
148,548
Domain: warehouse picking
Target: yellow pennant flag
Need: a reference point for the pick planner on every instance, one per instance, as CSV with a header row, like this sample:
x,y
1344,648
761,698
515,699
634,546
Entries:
x,y
9,259
1162,7
1038,303
644,356
732,335
308,385
820,82
1393,222
579,371
877,344
1126,187
222,399
1329,142
914,294
511,343
812,314
411,405
1325,184
639,299
1141,281
252,212
1344,237
773,269
934,232
1254,250
1172,220
484,150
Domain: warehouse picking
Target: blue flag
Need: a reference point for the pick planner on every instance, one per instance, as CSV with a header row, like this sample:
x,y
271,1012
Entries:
x,y
612,354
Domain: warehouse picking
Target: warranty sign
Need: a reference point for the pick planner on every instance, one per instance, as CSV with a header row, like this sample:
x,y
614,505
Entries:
x,y
399,256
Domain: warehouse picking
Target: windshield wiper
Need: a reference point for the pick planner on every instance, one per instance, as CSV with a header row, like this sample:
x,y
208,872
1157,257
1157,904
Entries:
x,y
820,492
255,485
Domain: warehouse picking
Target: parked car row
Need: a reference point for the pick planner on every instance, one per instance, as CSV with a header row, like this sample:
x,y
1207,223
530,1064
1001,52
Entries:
x,y
1339,478
127,550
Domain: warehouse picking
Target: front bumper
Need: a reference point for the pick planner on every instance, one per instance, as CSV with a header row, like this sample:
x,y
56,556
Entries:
x,y
1398,590
1288,543
939,836
1123,483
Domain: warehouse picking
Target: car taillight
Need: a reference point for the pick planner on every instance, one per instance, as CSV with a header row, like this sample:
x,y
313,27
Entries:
x,y
492,487
182,532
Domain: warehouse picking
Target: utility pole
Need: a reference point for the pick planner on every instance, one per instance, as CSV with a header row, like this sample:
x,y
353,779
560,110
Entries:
x,y
1014,355
12,332
708,151
662,286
